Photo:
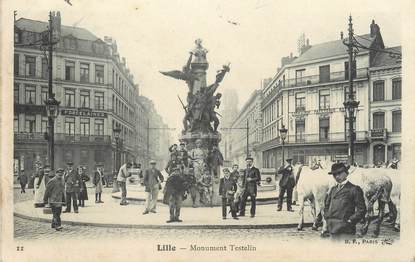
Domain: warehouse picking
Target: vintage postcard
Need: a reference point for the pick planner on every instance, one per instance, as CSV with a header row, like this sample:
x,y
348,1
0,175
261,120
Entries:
x,y
196,130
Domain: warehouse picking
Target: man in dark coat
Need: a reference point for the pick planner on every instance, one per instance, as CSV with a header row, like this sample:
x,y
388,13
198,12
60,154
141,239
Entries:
x,y
152,180
227,190
72,188
173,196
55,196
23,181
287,184
251,179
344,205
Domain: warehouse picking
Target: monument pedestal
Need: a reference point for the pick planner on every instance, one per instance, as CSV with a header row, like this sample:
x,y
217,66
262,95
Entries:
x,y
208,140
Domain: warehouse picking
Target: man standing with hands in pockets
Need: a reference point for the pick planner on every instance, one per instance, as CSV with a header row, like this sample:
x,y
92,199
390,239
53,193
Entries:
x,y
252,179
152,180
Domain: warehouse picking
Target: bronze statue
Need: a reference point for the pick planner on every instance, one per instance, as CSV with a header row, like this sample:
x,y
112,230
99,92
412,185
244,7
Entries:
x,y
201,99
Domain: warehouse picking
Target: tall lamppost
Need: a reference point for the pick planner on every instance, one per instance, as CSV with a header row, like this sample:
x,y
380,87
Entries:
x,y
246,128
52,111
116,131
351,106
283,136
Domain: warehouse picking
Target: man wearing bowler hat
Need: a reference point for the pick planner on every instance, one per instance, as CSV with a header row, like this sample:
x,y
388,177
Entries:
x,y
251,179
72,188
287,184
344,205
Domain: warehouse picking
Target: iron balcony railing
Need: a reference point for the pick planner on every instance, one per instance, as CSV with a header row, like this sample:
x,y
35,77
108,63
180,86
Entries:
x,y
380,133
24,137
318,138
319,79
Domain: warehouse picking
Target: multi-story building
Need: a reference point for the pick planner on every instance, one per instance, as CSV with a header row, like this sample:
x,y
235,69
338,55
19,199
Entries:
x,y
247,124
158,137
385,107
96,92
306,96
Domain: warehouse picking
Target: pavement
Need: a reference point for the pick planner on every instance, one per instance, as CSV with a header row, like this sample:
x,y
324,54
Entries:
x,y
137,194
112,214
38,228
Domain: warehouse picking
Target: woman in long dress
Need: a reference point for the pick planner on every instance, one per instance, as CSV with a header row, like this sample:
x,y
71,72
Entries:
x,y
83,192
39,185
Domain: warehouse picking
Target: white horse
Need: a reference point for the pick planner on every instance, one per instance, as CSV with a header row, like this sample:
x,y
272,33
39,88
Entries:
x,y
312,185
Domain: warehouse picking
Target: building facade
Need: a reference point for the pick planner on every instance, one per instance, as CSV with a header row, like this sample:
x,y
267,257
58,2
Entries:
x,y
158,135
228,110
385,107
246,132
96,92
306,96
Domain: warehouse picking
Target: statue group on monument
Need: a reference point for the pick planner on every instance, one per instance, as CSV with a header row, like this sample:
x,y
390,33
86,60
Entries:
x,y
201,99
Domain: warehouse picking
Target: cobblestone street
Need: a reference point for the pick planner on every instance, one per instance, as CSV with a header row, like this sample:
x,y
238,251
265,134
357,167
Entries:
x,y
30,230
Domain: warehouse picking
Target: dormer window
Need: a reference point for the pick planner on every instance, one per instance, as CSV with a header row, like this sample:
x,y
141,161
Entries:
x,y
98,48
70,43
17,37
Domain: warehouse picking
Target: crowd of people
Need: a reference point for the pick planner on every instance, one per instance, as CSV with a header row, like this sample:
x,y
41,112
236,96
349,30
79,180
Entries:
x,y
64,187
187,176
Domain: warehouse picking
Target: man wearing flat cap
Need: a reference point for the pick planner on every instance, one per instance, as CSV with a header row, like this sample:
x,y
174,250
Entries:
x,y
55,197
344,205
72,188
252,179
152,182
286,184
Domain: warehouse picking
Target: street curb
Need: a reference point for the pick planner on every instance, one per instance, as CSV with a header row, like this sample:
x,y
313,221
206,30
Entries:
x,y
183,226
260,201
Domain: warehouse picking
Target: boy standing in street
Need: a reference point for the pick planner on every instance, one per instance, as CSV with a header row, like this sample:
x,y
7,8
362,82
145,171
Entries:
x,y
55,196
227,189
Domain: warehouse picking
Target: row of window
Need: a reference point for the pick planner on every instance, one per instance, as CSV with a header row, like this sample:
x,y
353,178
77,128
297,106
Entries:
x,y
379,90
85,99
379,120
84,72
30,69
69,128
324,75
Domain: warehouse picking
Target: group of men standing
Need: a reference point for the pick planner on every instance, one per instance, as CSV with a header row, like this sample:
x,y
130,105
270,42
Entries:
x,y
66,187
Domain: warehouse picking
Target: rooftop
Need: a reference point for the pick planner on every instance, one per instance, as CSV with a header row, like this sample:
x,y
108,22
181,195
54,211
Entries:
x,y
330,49
39,26
387,59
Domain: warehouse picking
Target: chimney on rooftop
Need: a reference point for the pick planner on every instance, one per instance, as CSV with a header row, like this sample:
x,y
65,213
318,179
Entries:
x,y
374,29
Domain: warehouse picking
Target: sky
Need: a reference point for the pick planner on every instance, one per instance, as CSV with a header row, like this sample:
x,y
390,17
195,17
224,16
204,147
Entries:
x,y
252,36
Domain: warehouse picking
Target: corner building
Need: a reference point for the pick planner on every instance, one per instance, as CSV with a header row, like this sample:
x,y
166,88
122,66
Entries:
x,y
307,94
96,92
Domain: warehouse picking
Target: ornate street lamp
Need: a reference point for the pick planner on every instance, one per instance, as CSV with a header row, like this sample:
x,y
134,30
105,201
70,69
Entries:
x,y
350,107
52,111
283,136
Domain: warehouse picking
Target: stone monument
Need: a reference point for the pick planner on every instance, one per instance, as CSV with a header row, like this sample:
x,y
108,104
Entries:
x,y
200,122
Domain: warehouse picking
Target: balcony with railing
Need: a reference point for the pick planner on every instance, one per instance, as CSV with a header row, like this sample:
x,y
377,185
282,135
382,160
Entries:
x,y
61,138
319,79
378,134
336,137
